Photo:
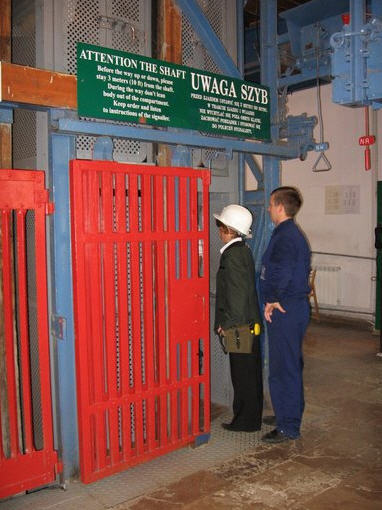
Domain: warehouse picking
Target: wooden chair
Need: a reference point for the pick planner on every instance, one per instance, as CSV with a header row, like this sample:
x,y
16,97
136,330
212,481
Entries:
x,y
312,293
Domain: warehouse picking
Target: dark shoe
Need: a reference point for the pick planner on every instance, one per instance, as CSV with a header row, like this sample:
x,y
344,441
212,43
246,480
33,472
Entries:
x,y
269,420
233,427
227,426
275,436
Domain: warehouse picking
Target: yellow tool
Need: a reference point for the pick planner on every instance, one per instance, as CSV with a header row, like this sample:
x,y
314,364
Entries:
x,y
256,329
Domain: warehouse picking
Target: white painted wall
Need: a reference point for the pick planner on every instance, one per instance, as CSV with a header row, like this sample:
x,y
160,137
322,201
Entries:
x,y
349,234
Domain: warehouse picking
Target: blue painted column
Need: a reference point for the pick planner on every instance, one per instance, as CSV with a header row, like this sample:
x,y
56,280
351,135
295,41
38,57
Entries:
x,y
271,164
61,151
240,66
269,77
359,72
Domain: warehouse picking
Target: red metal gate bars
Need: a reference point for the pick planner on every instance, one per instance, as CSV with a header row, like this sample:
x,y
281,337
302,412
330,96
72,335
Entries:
x,y
141,285
27,458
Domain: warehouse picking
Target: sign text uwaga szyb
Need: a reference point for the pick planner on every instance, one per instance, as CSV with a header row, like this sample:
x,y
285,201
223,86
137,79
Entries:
x,y
123,86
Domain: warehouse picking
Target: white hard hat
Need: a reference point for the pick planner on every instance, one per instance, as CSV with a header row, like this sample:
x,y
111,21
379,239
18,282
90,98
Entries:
x,y
237,217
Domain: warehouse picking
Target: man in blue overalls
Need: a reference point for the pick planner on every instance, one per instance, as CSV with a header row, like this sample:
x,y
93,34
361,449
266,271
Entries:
x,y
284,284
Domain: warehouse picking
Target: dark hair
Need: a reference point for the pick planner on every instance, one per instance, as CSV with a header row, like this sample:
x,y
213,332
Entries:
x,y
226,230
289,197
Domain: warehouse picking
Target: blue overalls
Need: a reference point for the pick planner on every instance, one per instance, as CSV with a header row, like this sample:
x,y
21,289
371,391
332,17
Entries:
x,y
284,278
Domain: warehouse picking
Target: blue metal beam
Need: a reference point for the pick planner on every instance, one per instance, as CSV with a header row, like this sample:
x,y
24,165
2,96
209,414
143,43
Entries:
x,y
62,149
358,63
178,138
6,116
269,53
256,171
304,76
191,9
240,65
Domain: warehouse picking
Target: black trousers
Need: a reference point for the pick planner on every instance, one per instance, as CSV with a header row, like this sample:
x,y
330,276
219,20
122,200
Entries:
x,y
247,382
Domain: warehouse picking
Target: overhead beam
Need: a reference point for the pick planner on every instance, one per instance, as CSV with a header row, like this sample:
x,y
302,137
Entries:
x,y
67,125
28,85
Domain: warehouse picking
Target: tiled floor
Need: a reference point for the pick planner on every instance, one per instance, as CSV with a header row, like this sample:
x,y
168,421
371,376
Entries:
x,y
336,465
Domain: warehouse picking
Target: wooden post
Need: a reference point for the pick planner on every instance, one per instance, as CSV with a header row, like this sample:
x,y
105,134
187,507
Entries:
x,y
5,162
5,55
170,49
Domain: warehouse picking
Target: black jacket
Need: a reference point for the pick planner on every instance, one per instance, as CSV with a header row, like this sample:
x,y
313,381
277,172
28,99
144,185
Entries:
x,y
236,297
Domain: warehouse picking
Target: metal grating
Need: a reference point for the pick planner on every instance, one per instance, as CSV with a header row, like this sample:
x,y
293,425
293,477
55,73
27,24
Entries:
x,y
24,147
82,24
118,24
219,14
24,53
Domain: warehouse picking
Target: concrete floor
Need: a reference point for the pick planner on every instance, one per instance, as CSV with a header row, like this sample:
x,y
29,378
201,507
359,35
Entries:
x,y
336,465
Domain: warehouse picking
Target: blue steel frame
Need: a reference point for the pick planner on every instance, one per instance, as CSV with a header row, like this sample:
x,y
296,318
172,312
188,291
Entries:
x,y
62,148
61,151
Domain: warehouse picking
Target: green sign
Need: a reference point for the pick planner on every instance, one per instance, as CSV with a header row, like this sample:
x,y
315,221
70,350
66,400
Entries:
x,y
112,84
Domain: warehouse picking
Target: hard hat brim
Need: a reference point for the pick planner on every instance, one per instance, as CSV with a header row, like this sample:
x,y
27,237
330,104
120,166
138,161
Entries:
x,y
219,218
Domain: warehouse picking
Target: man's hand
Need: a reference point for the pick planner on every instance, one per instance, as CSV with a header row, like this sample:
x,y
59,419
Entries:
x,y
268,310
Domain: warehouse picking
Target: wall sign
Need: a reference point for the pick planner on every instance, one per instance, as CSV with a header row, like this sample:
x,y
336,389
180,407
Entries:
x,y
121,86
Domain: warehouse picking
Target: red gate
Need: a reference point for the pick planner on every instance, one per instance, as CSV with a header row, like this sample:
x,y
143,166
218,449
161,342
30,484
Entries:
x,y
27,458
141,296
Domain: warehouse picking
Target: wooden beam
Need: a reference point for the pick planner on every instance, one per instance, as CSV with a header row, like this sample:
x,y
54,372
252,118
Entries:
x,y
28,85
6,146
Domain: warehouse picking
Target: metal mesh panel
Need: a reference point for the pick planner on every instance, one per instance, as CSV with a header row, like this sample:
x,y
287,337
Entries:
x,y
196,55
24,53
82,18
24,146
33,331
23,33
128,35
117,24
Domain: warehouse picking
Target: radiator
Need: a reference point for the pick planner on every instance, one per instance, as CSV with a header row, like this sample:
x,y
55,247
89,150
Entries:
x,y
328,284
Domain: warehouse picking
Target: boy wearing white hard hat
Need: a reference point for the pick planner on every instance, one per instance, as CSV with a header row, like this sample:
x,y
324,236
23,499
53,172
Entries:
x,y
237,304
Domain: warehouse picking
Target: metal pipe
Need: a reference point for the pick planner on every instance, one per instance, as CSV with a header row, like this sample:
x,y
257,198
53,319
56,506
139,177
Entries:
x,y
343,255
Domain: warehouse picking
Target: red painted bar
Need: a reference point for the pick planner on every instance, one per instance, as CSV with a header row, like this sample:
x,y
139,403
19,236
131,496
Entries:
x,y
136,308
162,282
24,334
8,330
148,304
110,315
172,275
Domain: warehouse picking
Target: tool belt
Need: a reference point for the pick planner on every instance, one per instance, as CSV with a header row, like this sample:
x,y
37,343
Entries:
x,y
239,339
